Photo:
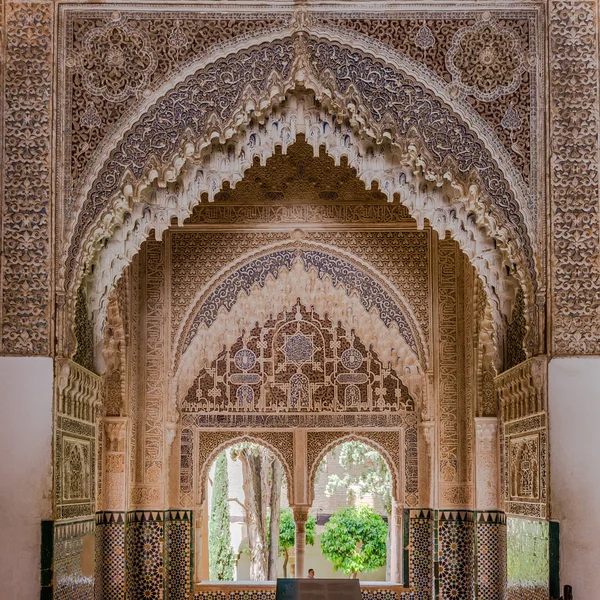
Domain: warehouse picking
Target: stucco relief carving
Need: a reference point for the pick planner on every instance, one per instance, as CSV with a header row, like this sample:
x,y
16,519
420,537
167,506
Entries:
x,y
524,476
486,60
317,52
522,394
317,127
298,271
26,184
297,362
574,120
114,463
76,469
117,60
454,453
487,461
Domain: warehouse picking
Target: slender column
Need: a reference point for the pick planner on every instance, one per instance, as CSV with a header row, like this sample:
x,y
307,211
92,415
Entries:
x,y
198,520
396,543
490,525
300,518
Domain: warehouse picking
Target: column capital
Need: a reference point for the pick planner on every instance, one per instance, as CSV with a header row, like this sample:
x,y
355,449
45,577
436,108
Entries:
x,y
300,513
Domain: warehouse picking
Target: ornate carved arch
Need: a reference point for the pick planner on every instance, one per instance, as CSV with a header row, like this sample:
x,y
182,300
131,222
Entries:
x,y
212,443
461,164
386,443
271,280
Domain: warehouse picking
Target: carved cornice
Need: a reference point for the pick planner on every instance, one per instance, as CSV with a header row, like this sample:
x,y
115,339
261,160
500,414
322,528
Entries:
x,y
79,391
523,390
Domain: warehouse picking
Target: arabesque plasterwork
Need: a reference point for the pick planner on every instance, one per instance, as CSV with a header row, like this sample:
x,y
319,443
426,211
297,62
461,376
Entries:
x,y
417,186
315,53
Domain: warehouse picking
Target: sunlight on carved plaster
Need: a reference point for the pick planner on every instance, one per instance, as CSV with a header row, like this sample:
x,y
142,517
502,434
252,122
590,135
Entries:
x,y
281,294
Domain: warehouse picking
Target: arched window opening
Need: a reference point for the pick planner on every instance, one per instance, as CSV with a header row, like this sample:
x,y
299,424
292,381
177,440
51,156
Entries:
x,y
246,516
353,510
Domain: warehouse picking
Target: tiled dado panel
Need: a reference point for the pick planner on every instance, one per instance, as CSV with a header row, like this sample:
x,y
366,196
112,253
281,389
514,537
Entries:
x,y
110,556
454,537
418,553
490,556
178,554
158,555
73,561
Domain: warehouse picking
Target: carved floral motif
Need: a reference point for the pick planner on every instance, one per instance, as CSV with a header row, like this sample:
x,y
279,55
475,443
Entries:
x,y
117,61
486,60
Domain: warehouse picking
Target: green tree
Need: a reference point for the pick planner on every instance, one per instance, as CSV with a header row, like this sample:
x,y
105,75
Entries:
x,y
220,553
367,473
354,540
287,534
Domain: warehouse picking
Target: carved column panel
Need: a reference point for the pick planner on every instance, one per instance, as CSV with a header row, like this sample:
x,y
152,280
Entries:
x,y
110,521
148,491
455,488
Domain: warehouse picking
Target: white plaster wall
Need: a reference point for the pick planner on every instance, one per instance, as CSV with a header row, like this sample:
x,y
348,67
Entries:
x,y
574,415
25,472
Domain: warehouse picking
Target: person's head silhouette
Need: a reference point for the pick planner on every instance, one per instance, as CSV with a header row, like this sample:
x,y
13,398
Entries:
x,y
311,573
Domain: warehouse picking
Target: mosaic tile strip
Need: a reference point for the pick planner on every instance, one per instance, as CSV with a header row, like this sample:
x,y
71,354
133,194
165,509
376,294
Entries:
x,y
490,559
455,555
144,549
110,556
178,554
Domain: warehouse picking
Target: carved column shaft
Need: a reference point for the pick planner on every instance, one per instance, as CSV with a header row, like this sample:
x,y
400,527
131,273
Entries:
x,y
396,543
300,518
486,463
115,464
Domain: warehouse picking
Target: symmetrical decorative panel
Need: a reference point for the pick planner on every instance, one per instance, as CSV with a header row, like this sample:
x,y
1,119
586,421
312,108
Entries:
x,y
574,124
522,394
297,362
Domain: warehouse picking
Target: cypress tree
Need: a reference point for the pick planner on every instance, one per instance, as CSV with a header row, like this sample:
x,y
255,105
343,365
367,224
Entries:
x,y
220,553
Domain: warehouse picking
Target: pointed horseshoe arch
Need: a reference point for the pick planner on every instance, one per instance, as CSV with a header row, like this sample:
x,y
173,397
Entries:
x,y
391,106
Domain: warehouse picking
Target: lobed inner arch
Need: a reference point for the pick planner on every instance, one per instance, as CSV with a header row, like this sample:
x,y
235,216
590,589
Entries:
x,y
394,469
271,281
250,438
442,171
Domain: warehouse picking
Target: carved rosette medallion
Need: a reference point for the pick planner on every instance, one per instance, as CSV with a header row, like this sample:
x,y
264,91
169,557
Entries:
x,y
486,60
117,61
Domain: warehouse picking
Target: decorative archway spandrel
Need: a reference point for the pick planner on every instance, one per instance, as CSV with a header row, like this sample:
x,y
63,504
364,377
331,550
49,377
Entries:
x,y
387,443
476,165
211,443
270,280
